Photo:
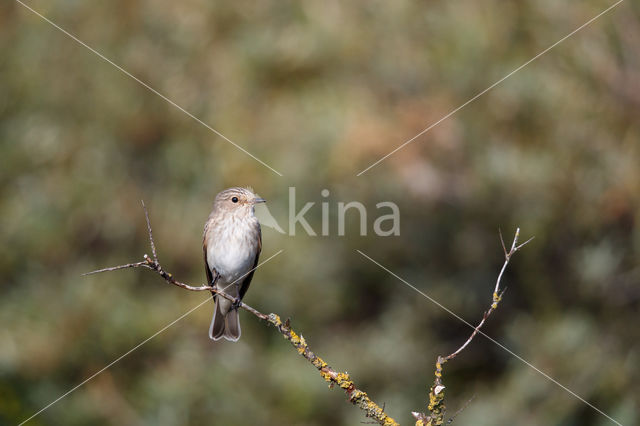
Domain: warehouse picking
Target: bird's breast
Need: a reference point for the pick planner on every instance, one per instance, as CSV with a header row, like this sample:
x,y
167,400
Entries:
x,y
232,247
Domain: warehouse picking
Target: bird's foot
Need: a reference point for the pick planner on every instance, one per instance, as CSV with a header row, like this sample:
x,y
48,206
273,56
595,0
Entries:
x,y
236,303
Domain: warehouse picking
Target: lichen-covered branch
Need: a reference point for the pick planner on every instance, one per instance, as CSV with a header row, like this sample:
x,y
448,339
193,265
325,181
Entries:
x,y
355,395
435,406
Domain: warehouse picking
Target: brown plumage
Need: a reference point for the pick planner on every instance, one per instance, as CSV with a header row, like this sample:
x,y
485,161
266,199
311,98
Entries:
x,y
232,242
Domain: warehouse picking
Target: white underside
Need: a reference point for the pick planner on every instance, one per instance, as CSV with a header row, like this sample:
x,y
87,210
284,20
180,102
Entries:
x,y
232,250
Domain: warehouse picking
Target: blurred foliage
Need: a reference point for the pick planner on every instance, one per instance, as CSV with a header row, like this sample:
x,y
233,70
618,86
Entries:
x,y
320,90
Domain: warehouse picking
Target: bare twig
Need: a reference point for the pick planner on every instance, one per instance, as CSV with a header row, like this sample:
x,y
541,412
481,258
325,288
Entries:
x,y
115,268
153,246
333,377
504,248
435,406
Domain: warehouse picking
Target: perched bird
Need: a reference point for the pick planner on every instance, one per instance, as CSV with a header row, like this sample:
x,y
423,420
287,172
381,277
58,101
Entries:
x,y
231,244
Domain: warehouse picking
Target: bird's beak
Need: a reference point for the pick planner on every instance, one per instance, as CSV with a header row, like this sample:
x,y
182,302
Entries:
x,y
258,200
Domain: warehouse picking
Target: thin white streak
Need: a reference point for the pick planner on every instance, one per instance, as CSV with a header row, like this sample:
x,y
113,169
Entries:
x,y
490,87
493,340
115,361
76,39
130,350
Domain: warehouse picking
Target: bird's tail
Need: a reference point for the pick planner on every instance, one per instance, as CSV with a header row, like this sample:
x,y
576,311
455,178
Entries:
x,y
225,325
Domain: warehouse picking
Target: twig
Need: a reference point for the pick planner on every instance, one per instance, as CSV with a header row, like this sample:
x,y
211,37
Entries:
x,y
354,395
115,268
436,406
153,246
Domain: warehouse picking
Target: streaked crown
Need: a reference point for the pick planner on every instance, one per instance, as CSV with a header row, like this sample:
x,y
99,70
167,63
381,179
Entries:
x,y
236,199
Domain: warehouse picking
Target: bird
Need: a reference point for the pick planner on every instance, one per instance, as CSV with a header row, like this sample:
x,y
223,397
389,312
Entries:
x,y
232,242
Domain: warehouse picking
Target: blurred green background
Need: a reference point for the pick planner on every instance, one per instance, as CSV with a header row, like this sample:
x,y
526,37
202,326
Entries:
x,y
320,90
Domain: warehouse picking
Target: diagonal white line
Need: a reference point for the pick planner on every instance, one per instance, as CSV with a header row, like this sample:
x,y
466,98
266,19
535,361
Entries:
x,y
76,39
136,347
493,340
115,360
490,87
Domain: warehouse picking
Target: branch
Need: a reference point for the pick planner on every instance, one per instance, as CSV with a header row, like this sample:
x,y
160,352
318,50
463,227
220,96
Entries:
x,y
354,395
436,406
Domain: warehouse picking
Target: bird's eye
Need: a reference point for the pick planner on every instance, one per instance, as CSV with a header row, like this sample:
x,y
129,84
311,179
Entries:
x,y
234,199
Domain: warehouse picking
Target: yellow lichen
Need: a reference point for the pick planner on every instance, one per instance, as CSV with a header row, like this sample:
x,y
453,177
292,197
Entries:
x,y
343,380
326,376
275,320
496,300
435,400
320,362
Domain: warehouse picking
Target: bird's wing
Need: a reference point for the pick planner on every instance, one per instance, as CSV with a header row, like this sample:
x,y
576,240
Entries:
x,y
210,273
245,283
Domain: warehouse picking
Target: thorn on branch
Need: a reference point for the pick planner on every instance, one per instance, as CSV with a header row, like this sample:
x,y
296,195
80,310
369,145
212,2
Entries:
x,y
153,246
524,244
504,248
504,290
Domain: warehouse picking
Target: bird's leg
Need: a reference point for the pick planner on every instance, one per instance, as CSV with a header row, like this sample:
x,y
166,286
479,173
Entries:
x,y
236,303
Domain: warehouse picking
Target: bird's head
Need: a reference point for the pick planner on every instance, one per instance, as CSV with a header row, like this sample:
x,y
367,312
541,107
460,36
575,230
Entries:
x,y
239,200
